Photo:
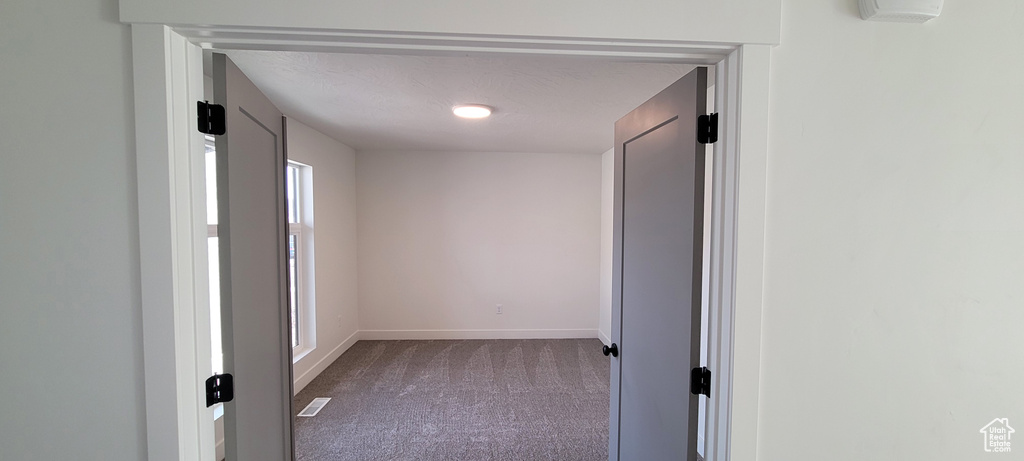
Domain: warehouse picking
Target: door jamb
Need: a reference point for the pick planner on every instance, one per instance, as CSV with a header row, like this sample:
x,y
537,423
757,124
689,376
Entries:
x,y
173,244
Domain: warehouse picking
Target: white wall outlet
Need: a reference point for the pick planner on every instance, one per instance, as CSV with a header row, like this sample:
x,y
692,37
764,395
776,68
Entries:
x,y
499,309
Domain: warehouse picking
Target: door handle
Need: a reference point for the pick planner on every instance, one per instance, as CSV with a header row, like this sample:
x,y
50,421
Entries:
x,y
613,350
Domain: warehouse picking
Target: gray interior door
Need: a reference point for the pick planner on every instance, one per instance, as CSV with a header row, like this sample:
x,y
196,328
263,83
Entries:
x,y
658,217
253,269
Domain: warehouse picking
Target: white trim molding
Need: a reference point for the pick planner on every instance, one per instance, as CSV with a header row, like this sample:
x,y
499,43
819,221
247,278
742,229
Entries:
x,y
170,157
380,42
737,253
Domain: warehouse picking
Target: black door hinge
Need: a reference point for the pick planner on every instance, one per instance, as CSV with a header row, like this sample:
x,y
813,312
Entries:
x,y
700,381
707,129
211,118
220,388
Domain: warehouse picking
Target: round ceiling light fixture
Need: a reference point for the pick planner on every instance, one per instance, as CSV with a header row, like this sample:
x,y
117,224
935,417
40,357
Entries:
x,y
472,111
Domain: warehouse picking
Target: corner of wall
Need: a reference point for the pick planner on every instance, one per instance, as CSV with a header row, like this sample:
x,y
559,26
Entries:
x,y
336,278
607,198
304,379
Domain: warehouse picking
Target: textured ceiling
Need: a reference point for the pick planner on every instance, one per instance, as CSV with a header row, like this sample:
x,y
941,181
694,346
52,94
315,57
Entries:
x,y
391,102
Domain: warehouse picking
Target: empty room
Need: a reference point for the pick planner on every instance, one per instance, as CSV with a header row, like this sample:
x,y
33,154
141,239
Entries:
x,y
449,278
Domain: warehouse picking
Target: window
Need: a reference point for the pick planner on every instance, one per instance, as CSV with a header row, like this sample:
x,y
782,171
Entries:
x,y
213,252
299,197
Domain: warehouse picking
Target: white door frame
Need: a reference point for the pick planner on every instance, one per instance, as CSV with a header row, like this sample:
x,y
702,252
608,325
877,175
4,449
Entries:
x,y
171,194
170,162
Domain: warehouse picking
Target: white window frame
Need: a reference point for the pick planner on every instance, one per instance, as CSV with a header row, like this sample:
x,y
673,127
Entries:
x,y
168,81
305,258
305,262
209,144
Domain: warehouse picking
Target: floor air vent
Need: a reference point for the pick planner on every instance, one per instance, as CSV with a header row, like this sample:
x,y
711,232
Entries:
x,y
315,406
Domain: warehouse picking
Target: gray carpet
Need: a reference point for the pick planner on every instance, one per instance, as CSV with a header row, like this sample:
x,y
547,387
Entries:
x,y
460,400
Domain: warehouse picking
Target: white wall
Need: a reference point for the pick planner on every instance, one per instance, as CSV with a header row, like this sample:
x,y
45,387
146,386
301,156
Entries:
x,y
445,237
607,228
895,234
70,322
334,227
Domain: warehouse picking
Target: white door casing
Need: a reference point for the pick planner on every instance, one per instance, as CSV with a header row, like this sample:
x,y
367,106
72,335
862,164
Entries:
x,y
171,169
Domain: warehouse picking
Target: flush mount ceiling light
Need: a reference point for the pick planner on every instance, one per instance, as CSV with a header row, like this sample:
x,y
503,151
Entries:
x,y
472,111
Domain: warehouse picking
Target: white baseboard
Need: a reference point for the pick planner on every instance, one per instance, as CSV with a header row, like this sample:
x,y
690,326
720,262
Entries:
x,y
604,337
311,374
476,334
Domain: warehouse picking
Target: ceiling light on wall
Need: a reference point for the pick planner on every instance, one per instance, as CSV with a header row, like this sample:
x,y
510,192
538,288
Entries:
x,y
472,111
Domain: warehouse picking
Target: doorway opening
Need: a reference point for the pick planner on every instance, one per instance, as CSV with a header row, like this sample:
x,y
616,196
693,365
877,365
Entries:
x,y
595,90
743,67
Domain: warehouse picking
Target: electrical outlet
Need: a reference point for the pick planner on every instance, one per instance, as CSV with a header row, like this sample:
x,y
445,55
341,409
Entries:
x,y
499,308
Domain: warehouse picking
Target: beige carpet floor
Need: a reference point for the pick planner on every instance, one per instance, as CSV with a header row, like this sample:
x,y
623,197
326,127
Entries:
x,y
460,400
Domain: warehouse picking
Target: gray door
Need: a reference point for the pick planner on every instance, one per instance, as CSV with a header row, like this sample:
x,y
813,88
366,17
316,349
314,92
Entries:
x,y
659,215
253,269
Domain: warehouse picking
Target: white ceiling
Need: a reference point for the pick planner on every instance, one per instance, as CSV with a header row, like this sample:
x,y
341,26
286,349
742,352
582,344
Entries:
x,y
391,102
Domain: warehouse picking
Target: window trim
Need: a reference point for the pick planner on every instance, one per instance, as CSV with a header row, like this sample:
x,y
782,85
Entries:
x,y
305,262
